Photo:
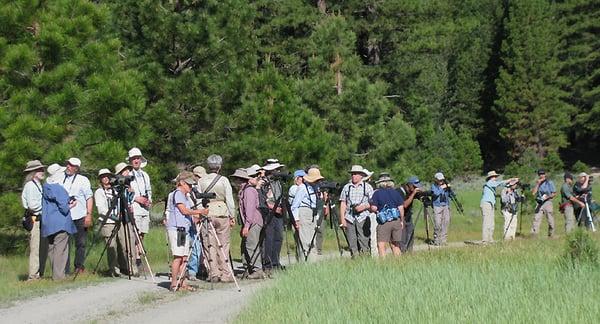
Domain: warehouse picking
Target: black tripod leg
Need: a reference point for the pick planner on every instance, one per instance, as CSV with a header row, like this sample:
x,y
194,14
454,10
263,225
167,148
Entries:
x,y
112,236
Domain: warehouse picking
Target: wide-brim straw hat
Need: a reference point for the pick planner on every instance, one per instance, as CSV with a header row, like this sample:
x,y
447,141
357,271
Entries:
x,y
313,175
122,166
241,174
33,165
358,169
273,166
137,152
491,174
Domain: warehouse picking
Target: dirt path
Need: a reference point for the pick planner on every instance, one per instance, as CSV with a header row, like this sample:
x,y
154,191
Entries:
x,y
141,301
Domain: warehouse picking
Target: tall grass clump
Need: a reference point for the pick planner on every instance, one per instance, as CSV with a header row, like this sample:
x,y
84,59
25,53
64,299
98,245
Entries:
x,y
581,250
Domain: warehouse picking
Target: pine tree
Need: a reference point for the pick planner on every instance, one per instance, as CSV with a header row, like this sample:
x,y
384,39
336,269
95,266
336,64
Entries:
x,y
531,115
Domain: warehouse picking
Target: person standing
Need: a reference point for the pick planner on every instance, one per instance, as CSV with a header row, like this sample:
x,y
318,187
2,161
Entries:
x,y
273,227
488,203
304,208
142,193
57,223
583,191
221,216
568,200
354,206
388,200
194,262
509,198
441,209
408,191
80,190
252,223
544,191
31,198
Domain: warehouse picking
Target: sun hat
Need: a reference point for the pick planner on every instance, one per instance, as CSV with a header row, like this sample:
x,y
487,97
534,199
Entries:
x,y
199,171
384,177
74,161
54,169
369,175
103,172
358,169
299,173
187,177
122,166
253,170
273,164
241,174
33,165
313,175
491,174
415,181
439,176
583,174
134,152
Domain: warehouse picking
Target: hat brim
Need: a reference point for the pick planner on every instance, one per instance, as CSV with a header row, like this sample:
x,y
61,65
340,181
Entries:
x,y
127,167
105,174
241,177
273,166
384,180
313,179
492,175
34,168
364,174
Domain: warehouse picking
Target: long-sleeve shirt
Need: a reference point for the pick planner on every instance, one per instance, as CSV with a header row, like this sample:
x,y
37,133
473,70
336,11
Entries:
x,y
305,197
249,204
31,197
223,205
103,199
441,197
56,215
141,188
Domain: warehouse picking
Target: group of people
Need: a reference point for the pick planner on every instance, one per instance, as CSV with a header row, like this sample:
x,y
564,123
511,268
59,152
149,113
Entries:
x,y
61,209
575,197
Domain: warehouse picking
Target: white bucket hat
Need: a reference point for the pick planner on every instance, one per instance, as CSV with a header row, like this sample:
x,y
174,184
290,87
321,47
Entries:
x,y
121,166
74,161
137,152
55,172
103,172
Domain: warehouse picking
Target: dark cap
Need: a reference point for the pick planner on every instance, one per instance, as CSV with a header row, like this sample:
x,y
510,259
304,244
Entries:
x,y
568,175
541,171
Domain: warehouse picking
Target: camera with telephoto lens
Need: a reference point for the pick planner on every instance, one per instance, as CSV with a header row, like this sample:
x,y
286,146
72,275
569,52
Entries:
x,y
524,186
282,176
181,235
205,197
121,180
329,185
590,179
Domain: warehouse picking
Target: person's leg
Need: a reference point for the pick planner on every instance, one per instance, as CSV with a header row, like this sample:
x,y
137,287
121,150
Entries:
x,y
111,251
210,251
569,218
307,229
193,264
537,220
382,239
352,237
34,252
59,256
445,224
223,231
408,236
549,211
253,248
80,238
364,234
320,237
437,224
43,254
268,242
175,269
373,236
277,240
512,228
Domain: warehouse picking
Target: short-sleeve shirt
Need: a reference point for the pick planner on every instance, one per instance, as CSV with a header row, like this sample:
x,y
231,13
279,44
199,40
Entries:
x,y
356,194
546,188
566,192
386,198
177,219
79,187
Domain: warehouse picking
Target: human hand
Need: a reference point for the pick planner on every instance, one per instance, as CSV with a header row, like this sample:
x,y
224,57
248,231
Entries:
x,y
87,222
297,225
245,232
232,222
72,204
343,224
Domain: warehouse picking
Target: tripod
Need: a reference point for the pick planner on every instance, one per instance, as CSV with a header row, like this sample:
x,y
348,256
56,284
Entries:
x,y
207,225
333,224
589,218
297,240
425,210
124,220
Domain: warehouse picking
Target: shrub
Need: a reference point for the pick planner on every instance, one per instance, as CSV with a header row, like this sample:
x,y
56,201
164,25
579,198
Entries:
x,y
581,249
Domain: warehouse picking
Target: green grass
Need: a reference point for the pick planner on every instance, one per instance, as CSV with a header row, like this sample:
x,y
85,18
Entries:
x,y
517,282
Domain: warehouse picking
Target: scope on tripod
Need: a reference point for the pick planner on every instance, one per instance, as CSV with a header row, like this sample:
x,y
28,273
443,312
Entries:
x,y
203,195
120,180
329,185
283,176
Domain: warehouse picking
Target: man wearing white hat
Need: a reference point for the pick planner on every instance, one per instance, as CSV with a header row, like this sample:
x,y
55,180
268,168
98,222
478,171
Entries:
x,y
142,189
355,210
273,227
221,214
79,189
441,209
488,201
31,197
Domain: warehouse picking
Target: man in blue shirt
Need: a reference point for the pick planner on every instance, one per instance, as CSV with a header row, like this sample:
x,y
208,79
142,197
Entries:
x,y
441,209
488,201
543,191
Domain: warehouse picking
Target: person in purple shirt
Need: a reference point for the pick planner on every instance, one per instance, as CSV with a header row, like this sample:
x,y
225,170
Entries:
x,y
252,222
387,199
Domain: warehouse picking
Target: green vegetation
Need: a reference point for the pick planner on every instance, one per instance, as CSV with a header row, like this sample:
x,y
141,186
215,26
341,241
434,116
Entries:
x,y
522,281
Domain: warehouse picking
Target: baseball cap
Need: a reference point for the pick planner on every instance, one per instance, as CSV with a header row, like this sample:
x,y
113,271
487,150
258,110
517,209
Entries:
x,y
439,176
74,161
568,175
541,171
299,173
415,181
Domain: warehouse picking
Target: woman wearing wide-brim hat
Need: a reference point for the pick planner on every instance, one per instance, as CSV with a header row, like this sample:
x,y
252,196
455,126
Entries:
x,y
386,200
304,208
488,201
31,197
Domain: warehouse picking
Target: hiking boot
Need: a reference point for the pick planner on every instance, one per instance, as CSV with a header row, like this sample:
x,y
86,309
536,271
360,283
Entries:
x,y
259,274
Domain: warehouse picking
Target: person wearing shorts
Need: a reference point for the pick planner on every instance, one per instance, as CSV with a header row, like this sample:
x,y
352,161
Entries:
x,y
178,226
390,230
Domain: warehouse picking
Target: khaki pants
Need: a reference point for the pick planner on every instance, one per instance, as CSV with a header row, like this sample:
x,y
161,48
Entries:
x,y
487,231
373,238
510,225
38,252
441,216
308,226
116,252
545,208
570,221
218,264
58,251
252,250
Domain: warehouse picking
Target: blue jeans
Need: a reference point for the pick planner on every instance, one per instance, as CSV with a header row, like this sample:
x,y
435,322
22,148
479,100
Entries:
x,y
193,265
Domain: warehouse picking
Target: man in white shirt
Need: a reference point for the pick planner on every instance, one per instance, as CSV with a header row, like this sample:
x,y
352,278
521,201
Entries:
x,y
142,199
80,190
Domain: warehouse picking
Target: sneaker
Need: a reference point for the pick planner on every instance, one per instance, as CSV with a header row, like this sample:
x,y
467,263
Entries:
x,y
259,274
192,276
79,270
